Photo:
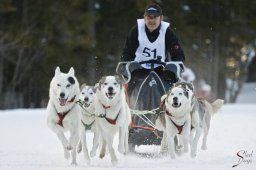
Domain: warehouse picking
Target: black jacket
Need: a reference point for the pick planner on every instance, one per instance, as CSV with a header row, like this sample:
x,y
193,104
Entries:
x,y
171,44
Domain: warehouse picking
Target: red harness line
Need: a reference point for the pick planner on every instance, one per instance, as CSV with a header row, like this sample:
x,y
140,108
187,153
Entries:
x,y
62,115
151,129
132,125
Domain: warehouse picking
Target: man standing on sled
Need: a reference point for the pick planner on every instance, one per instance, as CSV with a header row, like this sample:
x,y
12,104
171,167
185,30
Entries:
x,y
152,39
145,69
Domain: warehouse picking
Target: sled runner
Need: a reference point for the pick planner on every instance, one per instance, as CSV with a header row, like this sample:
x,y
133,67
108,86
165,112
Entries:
x,y
145,83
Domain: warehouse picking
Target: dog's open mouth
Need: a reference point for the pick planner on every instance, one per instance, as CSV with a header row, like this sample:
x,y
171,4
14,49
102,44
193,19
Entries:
x,y
63,101
85,104
110,95
176,104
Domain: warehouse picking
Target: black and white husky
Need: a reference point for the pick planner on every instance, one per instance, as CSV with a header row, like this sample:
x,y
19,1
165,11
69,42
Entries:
x,y
63,112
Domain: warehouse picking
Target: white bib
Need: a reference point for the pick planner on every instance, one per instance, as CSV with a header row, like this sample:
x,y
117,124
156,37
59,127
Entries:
x,y
147,50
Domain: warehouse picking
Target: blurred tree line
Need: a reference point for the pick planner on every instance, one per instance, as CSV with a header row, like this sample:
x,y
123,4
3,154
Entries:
x,y
218,38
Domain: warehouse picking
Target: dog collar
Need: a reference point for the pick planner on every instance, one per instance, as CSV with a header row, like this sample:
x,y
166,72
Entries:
x,y
72,99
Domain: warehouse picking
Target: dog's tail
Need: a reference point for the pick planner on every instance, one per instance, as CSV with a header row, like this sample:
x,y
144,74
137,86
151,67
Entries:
x,y
216,105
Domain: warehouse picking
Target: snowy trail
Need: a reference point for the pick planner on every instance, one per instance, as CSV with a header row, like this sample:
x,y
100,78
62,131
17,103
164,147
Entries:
x,y
27,143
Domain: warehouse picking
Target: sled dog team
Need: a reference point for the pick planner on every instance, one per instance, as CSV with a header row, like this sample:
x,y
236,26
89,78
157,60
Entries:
x,y
103,110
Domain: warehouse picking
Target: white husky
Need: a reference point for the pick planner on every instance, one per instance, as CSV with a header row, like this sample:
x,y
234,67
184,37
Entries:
x,y
201,114
63,112
88,120
111,104
177,118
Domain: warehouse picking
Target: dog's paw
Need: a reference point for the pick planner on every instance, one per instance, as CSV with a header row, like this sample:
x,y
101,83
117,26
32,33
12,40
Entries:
x,y
68,147
86,155
114,162
192,154
121,149
163,153
93,153
179,148
73,163
173,156
204,147
102,155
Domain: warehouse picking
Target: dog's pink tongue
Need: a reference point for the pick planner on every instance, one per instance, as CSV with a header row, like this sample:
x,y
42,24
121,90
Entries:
x,y
62,102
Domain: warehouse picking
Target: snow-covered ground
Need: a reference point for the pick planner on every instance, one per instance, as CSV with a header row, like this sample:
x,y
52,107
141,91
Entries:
x,y
26,143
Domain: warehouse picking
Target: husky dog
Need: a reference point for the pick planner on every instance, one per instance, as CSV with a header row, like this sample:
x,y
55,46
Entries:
x,y
176,119
201,114
63,113
88,120
111,106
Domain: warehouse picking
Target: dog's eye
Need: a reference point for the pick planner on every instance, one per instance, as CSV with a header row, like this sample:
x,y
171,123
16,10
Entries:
x,y
180,94
172,94
83,93
91,93
115,83
105,84
68,85
58,85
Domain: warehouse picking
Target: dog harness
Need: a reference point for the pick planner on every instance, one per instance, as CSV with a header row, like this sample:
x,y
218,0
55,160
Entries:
x,y
62,115
87,126
111,121
179,128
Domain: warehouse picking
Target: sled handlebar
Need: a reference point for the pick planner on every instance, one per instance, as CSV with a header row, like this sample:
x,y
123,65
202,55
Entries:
x,y
126,67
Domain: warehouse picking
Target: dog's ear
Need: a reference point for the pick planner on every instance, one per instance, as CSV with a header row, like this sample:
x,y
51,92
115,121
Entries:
x,y
192,86
82,86
71,71
163,98
102,80
95,87
185,92
162,103
57,71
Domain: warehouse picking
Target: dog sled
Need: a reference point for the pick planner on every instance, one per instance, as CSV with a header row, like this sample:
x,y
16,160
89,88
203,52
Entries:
x,y
145,83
